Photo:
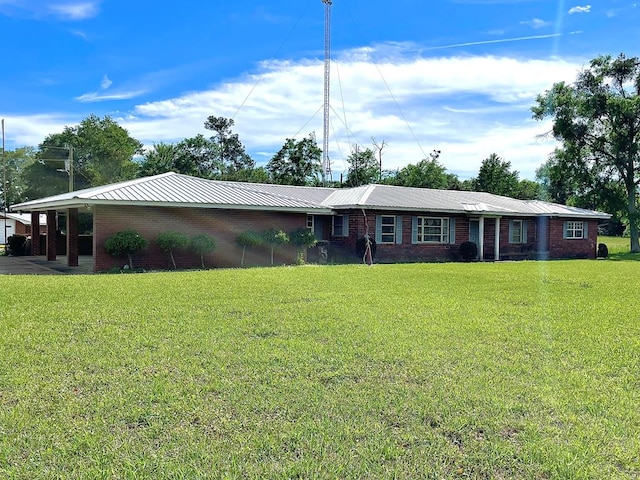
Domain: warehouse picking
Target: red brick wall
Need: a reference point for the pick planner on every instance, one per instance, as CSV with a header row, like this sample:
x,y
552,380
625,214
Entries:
x,y
222,225
408,252
560,247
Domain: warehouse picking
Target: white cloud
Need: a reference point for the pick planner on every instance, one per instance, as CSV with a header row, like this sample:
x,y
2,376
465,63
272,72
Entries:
x,y
75,11
466,106
435,96
579,9
535,23
105,83
102,97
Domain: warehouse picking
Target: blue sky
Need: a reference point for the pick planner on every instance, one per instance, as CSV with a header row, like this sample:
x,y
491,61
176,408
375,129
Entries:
x,y
455,75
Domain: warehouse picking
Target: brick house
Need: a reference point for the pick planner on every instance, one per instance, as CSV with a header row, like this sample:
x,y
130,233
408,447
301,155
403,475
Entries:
x,y
407,224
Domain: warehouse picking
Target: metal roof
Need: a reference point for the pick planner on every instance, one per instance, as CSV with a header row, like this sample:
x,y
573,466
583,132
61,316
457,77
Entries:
x,y
173,189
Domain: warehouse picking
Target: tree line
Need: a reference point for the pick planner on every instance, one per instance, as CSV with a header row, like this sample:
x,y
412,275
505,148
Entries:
x,y
596,121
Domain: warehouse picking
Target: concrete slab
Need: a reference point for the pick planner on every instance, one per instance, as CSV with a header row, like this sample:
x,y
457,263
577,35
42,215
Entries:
x,y
39,265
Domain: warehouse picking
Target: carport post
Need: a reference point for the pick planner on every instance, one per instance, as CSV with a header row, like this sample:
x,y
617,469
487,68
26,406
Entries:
x,y
35,233
72,237
51,235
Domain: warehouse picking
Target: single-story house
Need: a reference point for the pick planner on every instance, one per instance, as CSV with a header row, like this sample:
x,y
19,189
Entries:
x,y
16,224
407,224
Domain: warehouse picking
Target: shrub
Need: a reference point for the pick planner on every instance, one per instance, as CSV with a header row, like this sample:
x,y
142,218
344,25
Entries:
x,y
170,241
124,243
202,244
248,239
603,250
302,238
361,248
16,245
468,251
274,237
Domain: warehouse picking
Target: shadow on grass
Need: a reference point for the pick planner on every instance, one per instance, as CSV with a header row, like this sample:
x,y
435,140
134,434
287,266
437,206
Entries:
x,y
625,256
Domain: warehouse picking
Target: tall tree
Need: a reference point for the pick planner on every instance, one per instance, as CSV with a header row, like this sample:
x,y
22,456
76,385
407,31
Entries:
x,y
103,153
427,173
232,156
495,176
597,119
16,163
364,168
296,163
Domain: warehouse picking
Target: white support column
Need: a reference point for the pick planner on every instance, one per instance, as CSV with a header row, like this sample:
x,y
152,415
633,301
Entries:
x,y
481,239
496,254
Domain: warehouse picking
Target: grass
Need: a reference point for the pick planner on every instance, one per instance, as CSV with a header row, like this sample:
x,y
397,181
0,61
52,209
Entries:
x,y
509,370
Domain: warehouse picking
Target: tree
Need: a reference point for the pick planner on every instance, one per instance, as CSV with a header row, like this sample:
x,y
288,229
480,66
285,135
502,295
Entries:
x,y
232,156
495,176
16,163
274,237
170,241
127,243
248,239
363,168
296,163
201,245
597,120
103,153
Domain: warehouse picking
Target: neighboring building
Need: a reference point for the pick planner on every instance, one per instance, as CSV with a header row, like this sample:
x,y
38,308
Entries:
x,y
15,224
407,224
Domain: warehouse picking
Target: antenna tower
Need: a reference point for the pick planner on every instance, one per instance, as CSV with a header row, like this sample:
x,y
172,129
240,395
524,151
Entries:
x,y
326,163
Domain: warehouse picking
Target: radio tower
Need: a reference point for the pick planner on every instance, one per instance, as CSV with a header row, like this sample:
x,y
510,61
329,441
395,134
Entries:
x,y
326,163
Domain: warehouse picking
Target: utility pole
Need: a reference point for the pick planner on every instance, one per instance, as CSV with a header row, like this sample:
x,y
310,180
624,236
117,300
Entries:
x,y
70,168
326,163
4,188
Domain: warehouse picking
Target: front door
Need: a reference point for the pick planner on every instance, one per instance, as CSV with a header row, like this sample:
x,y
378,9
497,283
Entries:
x,y
474,232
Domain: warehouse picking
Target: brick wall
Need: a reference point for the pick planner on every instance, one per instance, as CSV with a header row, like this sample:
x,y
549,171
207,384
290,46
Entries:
x,y
222,225
553,246
560,247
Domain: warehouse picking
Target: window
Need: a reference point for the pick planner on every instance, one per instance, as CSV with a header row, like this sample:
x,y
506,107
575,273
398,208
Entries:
x,y
516,232
388,232
340,226
310,222
573,229
432,230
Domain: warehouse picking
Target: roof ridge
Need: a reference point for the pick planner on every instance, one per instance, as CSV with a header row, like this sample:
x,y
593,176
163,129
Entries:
x,y
243,186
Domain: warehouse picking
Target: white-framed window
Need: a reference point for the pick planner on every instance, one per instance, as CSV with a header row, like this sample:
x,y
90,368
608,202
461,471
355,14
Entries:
x,y
340,226
574,229
432,230
310,222
388,229
516,232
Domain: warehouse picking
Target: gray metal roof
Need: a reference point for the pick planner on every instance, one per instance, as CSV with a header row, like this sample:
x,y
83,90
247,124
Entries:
x,y
173,189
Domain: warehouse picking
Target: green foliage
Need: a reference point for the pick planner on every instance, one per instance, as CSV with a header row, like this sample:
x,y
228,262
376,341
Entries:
x,y
16,245
17,162
202,244
302,238
495,176
296,163
127,242
364,168
468,251
171,241
396,371
597,119
248,239
274,237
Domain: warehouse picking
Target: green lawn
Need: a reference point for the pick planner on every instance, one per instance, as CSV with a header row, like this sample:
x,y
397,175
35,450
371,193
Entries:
x,y
523,370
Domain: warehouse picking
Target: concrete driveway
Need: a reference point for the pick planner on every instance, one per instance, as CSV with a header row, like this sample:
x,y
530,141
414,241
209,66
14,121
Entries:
x,y
39,265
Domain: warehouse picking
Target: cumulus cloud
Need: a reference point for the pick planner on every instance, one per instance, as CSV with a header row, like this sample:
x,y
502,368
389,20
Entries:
x,y
468,107
579,9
